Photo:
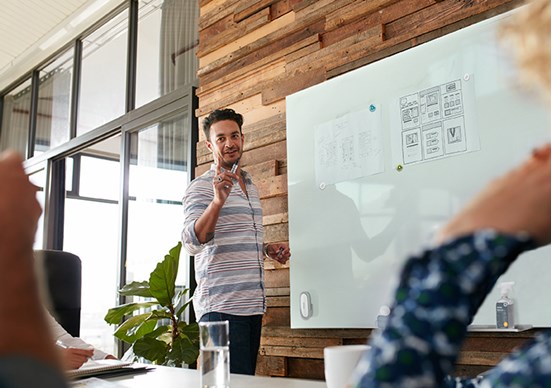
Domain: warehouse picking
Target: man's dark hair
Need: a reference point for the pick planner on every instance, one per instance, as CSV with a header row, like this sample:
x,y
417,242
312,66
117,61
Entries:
x,y
220,115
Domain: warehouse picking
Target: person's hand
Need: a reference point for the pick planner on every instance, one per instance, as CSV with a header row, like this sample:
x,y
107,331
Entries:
x,y
223,181
73,358
19,208
516,202
278,252
111,357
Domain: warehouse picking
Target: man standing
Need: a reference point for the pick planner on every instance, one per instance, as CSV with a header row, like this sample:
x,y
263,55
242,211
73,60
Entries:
x,y
223,229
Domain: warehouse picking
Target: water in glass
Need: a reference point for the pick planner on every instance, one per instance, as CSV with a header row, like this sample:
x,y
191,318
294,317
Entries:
x,y
215,367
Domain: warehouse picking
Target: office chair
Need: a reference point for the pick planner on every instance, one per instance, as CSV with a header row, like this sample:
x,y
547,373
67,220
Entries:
x,y
62,272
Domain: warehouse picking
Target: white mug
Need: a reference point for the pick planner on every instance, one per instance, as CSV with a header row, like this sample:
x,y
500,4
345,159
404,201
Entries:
x,y
339,363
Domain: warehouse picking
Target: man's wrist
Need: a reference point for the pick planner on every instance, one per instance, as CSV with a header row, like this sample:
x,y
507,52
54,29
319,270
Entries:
x,y
265,251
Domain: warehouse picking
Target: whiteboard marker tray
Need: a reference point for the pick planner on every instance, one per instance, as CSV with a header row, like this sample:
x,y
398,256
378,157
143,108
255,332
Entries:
x,y
516,329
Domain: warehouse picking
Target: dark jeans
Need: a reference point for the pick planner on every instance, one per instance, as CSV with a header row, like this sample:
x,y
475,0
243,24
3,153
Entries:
x,y
245,339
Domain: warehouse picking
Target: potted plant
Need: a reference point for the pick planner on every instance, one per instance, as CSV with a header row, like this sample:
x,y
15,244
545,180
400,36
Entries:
x,y
157,332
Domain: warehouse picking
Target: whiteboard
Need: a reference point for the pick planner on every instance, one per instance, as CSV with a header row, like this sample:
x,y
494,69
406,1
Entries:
x,y
380,157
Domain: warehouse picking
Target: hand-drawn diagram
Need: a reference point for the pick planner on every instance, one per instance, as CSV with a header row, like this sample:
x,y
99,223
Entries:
x,y
432,123
349,147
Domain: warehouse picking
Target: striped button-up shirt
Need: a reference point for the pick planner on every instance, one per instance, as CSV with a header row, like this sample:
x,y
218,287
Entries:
x,y
229,268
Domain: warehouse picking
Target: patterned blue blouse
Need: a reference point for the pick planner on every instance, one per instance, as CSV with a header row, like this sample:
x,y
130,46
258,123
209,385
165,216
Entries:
x,y
438,295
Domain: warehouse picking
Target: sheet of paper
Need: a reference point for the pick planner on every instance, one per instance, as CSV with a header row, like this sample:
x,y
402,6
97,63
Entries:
x,y
349,147
436,122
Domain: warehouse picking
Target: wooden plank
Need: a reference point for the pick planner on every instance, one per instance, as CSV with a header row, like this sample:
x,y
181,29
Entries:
x,y
277,278
214,11
300,342
319,8
272,151
289,351
271,366
436,16
239,86
280,26
302,4
287,85
401,43
275,219
246,8
251,108
474,357
281,291
280,8
364,60
311,48
286,331
276,316
248,59
354,11
492,344
277,301
274,205
226,30
339,53
277,233
272,187
263,170
385,15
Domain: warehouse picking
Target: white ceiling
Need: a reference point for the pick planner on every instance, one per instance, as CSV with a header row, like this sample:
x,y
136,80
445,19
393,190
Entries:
x,y
32,30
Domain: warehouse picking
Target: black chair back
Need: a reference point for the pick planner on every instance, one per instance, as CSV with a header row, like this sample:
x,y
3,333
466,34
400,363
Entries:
x,y
63,276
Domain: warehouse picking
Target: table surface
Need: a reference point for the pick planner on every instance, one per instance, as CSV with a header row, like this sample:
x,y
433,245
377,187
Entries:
x,y
167,377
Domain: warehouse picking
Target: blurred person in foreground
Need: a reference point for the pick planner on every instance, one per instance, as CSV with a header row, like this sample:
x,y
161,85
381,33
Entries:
x,y
28,357
441,289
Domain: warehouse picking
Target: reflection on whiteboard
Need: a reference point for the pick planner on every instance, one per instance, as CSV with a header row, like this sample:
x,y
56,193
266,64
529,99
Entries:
x,y
434,124
349,147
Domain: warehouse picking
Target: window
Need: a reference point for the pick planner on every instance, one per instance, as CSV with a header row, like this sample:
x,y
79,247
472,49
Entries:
x,y
54,103
16,118
103,78
91,231
167,42
157,181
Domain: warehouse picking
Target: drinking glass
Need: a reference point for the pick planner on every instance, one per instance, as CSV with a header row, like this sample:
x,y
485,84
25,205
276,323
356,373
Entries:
x,y
214,358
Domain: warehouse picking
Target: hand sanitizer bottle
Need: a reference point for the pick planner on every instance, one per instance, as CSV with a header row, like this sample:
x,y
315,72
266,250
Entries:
x,y
505,307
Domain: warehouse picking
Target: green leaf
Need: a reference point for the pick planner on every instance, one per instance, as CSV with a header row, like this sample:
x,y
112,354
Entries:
x,y
181,309
190,331
183,350
151,349
162,279
161,314
136,289
159,331
135,328
115,314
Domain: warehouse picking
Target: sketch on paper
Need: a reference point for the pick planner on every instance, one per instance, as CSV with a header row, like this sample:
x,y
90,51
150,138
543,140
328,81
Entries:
x,y
349,147
433,123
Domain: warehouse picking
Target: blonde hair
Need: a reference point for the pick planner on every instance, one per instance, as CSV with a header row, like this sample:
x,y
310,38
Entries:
x,y
529,33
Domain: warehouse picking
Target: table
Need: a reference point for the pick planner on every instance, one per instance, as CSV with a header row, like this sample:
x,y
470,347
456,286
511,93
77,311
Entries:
x,y
167,377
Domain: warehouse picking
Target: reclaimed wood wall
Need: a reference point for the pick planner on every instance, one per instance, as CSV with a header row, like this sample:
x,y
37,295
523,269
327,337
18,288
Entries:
x,y
252,54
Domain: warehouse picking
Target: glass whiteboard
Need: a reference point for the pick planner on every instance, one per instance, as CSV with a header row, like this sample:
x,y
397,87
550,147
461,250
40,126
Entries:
x,y
380,157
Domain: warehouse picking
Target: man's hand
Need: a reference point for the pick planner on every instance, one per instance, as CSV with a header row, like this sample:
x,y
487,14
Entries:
x,y
278,252
73,358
